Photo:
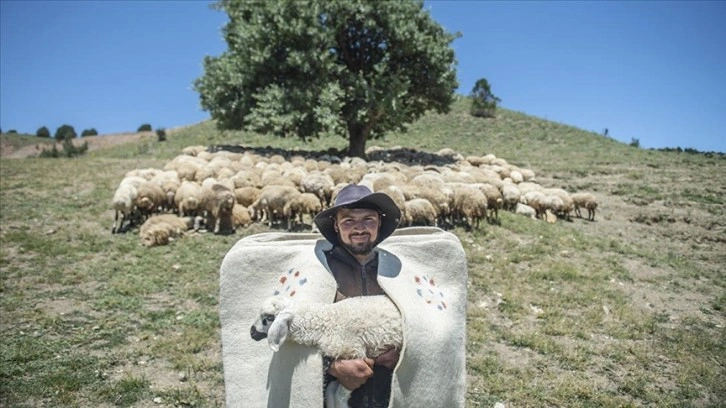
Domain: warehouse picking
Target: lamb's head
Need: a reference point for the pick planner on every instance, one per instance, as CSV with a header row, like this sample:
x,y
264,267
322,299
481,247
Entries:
x,y
273,321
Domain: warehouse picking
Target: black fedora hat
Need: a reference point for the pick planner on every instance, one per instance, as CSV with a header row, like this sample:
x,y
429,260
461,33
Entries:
x,y
357,196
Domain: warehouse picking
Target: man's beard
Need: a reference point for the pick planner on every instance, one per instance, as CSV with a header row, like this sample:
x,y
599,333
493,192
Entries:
x,y
360,248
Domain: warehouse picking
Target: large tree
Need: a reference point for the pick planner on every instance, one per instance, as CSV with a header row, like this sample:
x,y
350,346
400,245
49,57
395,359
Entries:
x,y
358,68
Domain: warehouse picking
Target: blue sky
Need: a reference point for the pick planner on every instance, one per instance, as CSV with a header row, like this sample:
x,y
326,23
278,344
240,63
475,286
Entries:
x,y
653,71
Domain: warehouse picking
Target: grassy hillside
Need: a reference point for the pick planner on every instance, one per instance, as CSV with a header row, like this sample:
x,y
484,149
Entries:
x,y
629,310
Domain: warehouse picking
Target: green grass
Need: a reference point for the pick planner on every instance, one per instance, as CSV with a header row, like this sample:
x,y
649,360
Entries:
x,y
627,311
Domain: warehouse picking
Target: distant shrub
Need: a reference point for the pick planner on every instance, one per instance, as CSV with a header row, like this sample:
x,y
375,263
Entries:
x,y
13,131
89,132
161,134
483,101
43,132
144,128
635,142
65,132
69,149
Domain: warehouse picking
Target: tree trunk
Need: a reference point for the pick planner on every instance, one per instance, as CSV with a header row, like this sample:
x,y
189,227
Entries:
x,y
357,137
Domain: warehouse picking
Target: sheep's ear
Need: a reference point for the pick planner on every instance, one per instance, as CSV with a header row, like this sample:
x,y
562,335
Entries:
x,y
278,331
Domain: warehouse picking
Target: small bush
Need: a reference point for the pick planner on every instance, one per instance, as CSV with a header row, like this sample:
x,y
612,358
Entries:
x,y
161,134
13,132
69,150
635,142
144,128
89,132
43,132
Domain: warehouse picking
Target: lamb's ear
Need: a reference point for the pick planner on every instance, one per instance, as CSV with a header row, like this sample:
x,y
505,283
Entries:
x,y
278,331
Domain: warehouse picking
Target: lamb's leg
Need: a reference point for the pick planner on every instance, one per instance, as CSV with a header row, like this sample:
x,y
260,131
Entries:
x,y
336,396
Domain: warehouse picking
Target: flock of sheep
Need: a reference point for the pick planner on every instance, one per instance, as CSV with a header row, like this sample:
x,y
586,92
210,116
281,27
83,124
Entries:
x,y
223,190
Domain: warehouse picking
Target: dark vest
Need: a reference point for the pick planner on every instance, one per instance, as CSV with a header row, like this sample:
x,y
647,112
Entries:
x,y
355,279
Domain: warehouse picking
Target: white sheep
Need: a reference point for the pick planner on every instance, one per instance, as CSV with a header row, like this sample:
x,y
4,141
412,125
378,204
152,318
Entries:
x,y
160,229
420,211
319,184
298,206
188,198
123,203
272,202
353,328
585,200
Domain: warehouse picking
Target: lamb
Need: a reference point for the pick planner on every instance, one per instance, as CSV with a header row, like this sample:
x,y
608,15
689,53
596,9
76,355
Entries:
x,y
352,328
420,211
585,200
299,205
160,229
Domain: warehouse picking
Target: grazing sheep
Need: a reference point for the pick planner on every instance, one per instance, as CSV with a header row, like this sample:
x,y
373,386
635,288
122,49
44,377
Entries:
x,y
241,216
219,202
494,198
536,200
298,206
585,200
123,203
510,196
319,184
353,328
470,204
149,198
160,229
272,202
567,204
188,198
420,211
440,200
169,183
246,195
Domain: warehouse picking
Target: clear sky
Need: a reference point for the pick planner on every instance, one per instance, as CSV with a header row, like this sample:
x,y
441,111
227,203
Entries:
x,y
652,71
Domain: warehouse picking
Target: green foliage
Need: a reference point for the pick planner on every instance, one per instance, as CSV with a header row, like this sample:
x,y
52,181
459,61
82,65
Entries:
x,y
161,134
65,132
144,128
13,131
635,142
89,132
69,149
483,101
307,68
43,132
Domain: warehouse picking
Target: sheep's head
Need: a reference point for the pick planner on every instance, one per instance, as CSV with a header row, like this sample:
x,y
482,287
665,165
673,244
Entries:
x,y
273,321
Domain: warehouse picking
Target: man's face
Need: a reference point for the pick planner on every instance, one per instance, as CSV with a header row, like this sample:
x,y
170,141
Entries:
x,y
357,229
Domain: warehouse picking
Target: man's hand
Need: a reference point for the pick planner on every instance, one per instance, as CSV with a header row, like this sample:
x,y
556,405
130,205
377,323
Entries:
x,y
351,374
389,359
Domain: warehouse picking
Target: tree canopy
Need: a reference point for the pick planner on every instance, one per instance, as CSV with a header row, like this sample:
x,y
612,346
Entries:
x,y
358,68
